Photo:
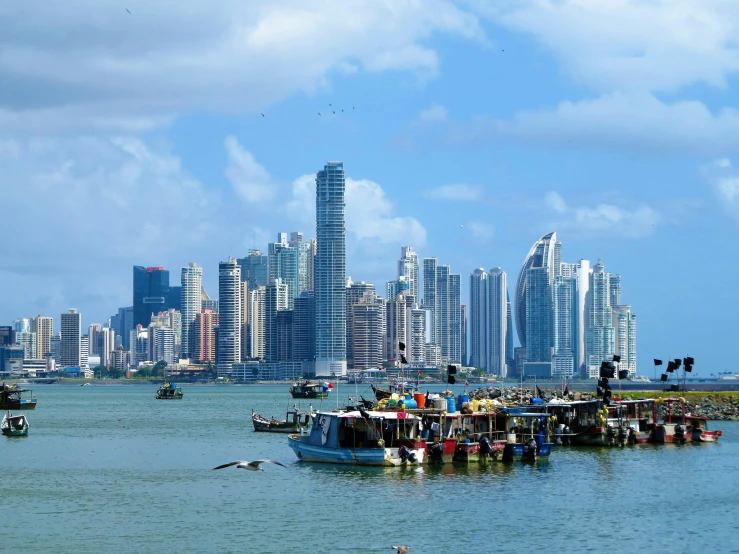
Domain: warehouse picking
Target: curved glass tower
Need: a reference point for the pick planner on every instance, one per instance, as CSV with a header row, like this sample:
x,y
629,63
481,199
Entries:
x,y
544,255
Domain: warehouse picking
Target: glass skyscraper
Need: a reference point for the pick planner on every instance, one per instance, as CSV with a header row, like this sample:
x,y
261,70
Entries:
x,y
150,293
229,317
254,269
191,305
330,271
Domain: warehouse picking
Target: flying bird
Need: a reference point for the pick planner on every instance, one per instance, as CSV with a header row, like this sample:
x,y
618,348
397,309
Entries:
x,y
251,466
401,549
319,113
329,104
262,115
129,11
334,113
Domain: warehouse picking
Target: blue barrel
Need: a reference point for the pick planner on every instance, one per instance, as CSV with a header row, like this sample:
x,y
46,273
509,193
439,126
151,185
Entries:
x,y
462,399
450,405
410,404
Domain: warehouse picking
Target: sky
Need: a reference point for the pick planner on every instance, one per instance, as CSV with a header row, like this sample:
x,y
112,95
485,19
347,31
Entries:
x,y
162,133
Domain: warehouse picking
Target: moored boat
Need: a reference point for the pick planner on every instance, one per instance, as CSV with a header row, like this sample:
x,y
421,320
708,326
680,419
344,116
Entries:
x,y
294,421
169,391
310,389
362,438
11,398
14,425
528,438
683,427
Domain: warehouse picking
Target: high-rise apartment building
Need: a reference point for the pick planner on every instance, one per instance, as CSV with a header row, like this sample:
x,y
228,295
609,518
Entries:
x,y
442,296
489,321
151,293
244,320
43,326
430,299
408,268
624,324
330,271
367,333
69,346
22,325
304,328
276,299
600,335
229,314
204,335
283,265
354,293
305,263
191,279
564,330
27,340
254,269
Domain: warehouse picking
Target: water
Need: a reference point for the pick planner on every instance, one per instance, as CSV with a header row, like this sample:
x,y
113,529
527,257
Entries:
x,y
108,468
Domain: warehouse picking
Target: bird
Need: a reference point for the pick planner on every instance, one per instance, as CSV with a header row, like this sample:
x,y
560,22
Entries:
x,y
401,549
129,11
262,115
319,113
329,104
251,466
461,226
334,113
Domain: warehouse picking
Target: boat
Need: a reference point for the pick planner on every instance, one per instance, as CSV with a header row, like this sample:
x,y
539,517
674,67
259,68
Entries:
x,y
14,426
294,421
361,437
310,389
169,391
466,438
681,428
400,389
591,423
528,437
11,398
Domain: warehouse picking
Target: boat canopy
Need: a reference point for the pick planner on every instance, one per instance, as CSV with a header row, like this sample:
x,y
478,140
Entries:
x,y
373,414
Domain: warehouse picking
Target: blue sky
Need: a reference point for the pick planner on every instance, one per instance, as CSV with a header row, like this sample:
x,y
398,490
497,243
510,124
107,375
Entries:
x,y
469,130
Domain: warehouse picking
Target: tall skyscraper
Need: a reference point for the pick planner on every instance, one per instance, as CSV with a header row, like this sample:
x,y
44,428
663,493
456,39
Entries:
x,y
27,340
69,346
304,328
396,327
408,268
367,331
244,319
150,293
305,265
463,333
442,296
330,268
624,324
95,339
22,325
600,335
43,326
204,335
429,299
498,330
489,320
229,314
564,330
545,254
276,299
312,253
510,358
479,319
254,269
582,272
257,322
191,279
400,285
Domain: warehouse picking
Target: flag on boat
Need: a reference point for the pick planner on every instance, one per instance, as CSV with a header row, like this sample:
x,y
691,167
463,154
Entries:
x,y
327,386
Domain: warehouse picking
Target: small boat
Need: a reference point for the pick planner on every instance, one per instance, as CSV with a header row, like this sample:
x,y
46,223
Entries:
x,y
682,428
11,398
169,391
14,426
310,389
400,389
362,438
529,443
294,421
697,428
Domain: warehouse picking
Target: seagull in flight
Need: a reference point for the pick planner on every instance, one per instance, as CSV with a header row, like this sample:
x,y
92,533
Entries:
x,y
129,11
262,114
401,549
251,466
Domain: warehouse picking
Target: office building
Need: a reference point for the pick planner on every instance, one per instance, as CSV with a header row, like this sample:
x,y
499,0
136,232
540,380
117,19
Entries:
x,y
69,346
191,279
229,314
254,269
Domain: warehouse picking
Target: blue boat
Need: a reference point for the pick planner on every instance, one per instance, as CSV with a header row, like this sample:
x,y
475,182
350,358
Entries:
x,y
528,437
362,438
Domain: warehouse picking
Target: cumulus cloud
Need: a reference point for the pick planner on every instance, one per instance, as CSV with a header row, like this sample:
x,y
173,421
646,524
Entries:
x,y
82,64
462,192
723,179
247,177
603,219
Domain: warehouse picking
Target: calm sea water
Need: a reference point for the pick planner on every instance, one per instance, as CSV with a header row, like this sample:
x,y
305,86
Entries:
x,y
110,469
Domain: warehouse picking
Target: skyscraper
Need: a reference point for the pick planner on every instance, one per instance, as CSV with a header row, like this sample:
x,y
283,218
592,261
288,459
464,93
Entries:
x,y
479,319
600,335
543,254
191,279
304,328
276,299
204,336
442,296
43,326
283,265
330,269
150,293
489,320
564,331
354,293
408,268
498,329
229,312
257,305
69,346
254,269
429,299
305,264
367,330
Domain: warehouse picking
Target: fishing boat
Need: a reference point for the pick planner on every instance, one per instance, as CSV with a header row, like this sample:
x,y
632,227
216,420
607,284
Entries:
x,y
294,421
683,427
11,398
465,438
169,391
400,389
361,437
591,423
528,437
310,389
639,418
14,426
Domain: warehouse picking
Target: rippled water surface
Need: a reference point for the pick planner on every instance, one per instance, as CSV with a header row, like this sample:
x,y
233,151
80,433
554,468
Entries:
x,y
110,469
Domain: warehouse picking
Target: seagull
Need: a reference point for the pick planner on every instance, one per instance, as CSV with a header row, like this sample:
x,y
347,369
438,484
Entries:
x,y
334,113
251,466
262,114
129,11
401,549
319,113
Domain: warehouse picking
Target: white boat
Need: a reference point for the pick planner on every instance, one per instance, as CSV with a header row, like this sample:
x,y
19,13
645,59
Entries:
x,y
361,438
14,426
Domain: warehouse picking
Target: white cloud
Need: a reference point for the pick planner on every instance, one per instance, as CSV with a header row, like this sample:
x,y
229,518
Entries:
x,y
434,114
603,219
659,45
248,178
481,231
460,191
723,178
84,65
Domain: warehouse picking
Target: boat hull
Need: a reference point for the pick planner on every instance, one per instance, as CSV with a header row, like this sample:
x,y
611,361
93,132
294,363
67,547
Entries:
x,y
11,427
705,436
383,457
19,405
309,395
519,453
469,452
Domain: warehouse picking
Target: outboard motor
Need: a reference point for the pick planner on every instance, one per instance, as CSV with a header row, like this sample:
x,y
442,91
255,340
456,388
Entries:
x,y
436,453
486,449
557,435
632,436
679,432
530,451
566,438
623,433
406,455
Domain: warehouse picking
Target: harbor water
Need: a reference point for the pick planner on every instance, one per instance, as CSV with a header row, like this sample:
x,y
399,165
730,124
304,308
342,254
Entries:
x,y
111,469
